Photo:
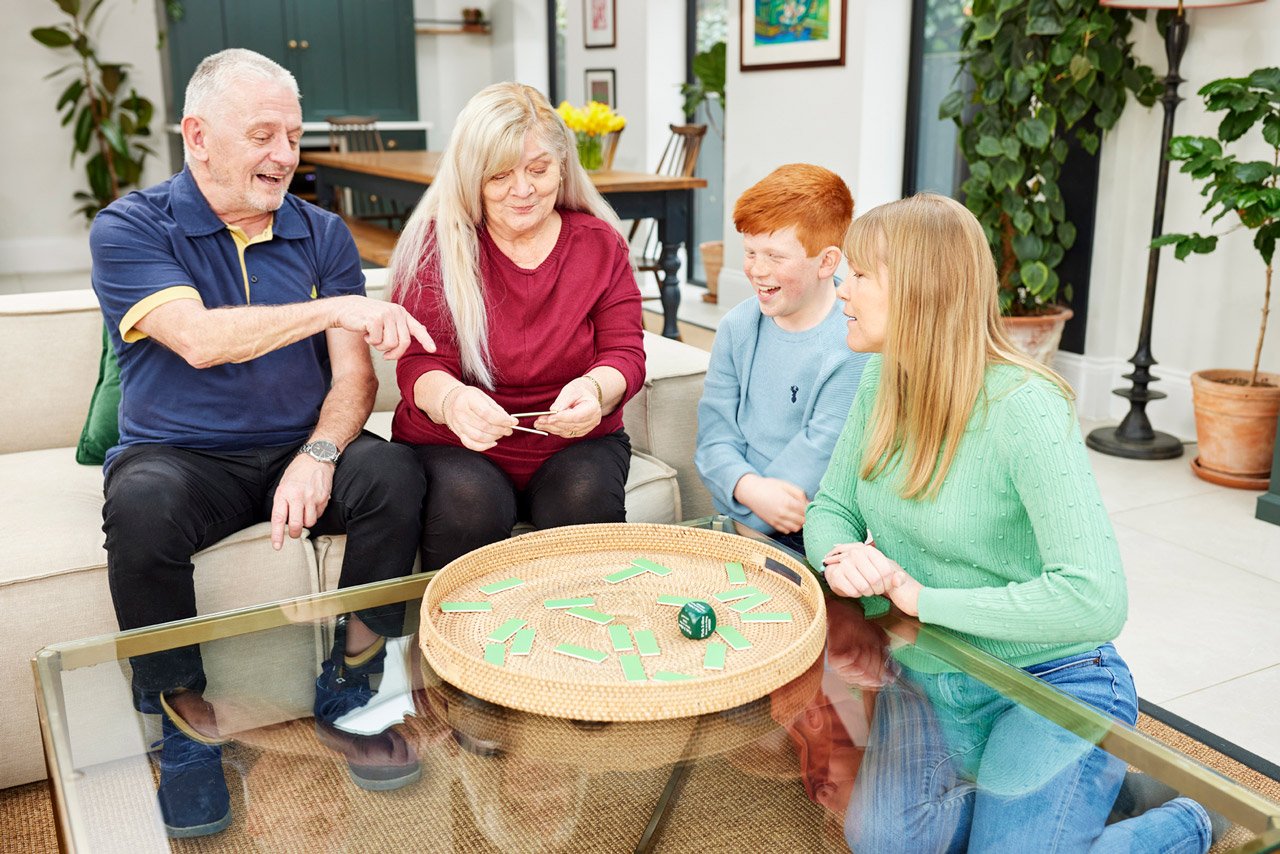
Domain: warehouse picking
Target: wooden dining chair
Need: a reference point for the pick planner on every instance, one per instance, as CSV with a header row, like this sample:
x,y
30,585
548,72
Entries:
x,y
679,160
355,134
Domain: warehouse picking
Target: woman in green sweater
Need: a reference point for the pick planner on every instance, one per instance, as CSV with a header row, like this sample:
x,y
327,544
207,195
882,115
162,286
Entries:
x,y
963,459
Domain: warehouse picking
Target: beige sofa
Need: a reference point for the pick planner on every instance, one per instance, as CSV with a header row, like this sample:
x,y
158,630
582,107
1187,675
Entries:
x,y
53,579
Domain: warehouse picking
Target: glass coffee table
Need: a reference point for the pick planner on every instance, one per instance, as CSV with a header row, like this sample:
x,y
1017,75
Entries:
x,y
800,768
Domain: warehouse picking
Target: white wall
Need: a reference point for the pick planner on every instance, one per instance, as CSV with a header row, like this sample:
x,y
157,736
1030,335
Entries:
x,y
452,68
43,243
649,61
1207,308
850,119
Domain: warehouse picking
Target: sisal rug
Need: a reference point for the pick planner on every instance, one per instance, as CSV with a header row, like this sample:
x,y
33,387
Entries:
x,y
588,812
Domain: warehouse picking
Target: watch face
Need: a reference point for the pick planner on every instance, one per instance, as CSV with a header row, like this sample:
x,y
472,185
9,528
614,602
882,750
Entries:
x,y
324,451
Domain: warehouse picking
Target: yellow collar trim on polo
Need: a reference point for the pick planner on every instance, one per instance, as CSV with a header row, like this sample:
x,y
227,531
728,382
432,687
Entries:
x,y
243,242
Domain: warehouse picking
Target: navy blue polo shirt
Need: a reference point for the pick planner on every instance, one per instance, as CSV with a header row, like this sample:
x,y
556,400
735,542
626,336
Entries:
x,y
166,243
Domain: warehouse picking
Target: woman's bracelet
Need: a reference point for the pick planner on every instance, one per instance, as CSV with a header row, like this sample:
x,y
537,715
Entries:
x,y
444,401
599,390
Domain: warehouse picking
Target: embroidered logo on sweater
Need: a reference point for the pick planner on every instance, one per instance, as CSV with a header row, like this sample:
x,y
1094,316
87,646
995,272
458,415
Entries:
x,y
794,390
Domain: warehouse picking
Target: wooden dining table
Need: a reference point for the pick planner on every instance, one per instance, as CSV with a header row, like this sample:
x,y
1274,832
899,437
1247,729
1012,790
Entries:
x,y
403,176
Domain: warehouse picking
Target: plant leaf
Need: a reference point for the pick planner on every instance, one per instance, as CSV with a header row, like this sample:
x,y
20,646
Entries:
x,y
952,105
71,7
51,36
1035,276
989,146
1034,133
84,128
71,94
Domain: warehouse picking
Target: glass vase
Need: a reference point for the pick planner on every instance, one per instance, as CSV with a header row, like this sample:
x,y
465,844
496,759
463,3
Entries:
x,y
590,151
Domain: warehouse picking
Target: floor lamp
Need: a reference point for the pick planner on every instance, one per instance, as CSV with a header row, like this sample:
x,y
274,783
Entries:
x,y
1134,437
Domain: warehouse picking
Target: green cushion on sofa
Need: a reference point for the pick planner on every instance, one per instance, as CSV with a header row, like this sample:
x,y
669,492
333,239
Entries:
x,y
102,427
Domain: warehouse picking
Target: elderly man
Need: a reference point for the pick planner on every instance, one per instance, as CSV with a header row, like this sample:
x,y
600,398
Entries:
x,y
240,324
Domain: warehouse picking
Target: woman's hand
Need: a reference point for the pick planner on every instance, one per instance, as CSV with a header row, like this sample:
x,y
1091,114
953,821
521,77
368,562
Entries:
x,y
476,419
575,411
857,569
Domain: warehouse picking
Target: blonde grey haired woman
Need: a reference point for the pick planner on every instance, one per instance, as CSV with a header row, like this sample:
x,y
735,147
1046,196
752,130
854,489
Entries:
x,y
963,458
517,266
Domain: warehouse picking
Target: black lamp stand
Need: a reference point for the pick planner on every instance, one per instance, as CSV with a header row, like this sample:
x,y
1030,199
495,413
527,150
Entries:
x,y
1134,437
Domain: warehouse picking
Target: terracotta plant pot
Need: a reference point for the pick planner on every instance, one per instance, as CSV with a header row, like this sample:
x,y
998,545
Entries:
x,y
712,253
1235,427
1038,335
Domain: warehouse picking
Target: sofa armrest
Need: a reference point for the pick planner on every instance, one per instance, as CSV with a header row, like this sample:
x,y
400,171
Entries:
x,y
662,418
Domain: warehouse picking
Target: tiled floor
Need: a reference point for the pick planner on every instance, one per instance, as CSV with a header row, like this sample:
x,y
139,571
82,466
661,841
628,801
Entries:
x,y
1203,637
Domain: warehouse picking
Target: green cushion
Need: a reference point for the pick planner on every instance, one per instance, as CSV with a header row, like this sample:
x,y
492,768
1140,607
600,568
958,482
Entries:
x,y
102,427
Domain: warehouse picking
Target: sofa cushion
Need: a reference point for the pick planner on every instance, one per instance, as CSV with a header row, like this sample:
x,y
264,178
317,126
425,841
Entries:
x,y
102,426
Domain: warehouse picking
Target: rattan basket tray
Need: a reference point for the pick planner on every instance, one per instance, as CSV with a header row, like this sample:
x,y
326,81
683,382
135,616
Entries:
x,y
572,562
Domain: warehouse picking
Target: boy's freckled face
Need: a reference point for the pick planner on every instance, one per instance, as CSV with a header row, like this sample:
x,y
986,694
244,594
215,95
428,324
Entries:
x,y
785,278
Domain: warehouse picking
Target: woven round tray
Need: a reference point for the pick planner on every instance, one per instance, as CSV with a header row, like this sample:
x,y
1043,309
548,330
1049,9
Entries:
x,y
573,562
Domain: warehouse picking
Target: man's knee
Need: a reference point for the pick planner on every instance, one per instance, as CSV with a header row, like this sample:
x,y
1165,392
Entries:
x,y
144,496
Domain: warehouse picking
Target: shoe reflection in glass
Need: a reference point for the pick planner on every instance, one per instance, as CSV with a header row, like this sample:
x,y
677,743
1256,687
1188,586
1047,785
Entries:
x,y
193,790
354,718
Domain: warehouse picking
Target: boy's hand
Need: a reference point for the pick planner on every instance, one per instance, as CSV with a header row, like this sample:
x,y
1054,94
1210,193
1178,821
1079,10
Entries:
x,y
779,503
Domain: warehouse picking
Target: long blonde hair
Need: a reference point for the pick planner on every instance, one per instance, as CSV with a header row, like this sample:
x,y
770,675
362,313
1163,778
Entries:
x,y
943,331
487,139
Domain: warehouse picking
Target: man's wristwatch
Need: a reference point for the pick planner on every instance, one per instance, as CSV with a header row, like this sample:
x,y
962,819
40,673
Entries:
x,y
321,450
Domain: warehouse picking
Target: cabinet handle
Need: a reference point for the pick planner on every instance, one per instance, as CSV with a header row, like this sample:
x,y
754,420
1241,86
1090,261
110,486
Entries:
x,y
391,143
305,44
293,43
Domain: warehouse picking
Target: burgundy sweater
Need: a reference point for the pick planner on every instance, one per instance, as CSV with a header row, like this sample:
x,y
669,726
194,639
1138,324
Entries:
x,y
578,310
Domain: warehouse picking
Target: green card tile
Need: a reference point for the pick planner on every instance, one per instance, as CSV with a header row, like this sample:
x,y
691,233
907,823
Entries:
x,y
668,676
650,566
750,602
499,586
595,656
588,614
577,602
767,617
678,601
624,574
523,644
504,632
464,607
495,653
739,593
733,637
714,657
646,643
620,637
633,668
737,575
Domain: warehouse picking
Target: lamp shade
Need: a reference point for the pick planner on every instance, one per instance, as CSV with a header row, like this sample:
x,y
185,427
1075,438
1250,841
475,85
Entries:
x,y
1173,4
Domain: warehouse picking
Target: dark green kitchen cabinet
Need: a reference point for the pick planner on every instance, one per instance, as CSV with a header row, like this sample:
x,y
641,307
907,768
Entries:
x,y
351,57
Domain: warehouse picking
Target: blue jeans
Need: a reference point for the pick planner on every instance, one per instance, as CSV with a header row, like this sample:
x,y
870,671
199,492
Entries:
x,y
953,765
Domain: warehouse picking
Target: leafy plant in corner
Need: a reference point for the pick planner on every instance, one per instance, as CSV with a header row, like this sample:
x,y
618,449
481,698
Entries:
x,y
1033,72
106,123
708,73
1249,190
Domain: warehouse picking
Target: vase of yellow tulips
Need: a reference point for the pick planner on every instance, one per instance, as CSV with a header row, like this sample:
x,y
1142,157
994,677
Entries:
x,y
592,124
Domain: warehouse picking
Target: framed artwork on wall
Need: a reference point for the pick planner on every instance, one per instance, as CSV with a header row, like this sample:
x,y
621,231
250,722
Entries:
x,y
600,86
791,33
599,23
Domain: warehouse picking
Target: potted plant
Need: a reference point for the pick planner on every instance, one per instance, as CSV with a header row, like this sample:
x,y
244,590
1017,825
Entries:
x,y
708,89
103,118
1236,411
1031,75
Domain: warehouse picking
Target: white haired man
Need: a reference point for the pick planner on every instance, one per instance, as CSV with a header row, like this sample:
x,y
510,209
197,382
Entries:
x,y
241,328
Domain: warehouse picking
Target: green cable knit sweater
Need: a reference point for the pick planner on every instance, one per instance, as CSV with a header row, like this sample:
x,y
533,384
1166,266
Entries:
x,y
1016,553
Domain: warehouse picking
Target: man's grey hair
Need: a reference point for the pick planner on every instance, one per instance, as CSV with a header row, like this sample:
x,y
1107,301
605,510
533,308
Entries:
x,y
219,73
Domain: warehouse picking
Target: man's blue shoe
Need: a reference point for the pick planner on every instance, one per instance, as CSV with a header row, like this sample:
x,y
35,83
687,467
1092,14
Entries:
x,y
376,762
193,791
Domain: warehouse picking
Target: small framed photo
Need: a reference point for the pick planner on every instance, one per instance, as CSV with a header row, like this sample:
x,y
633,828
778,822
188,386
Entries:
x,y
599,23
792,34
600,86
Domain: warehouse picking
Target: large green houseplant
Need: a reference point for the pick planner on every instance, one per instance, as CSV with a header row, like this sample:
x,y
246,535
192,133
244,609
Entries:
x,y
1032,74
1236,411
108,117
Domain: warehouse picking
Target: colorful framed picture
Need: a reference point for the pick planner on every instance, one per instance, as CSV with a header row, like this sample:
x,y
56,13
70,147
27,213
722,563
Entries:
x,y
599,23
600,86
791,33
